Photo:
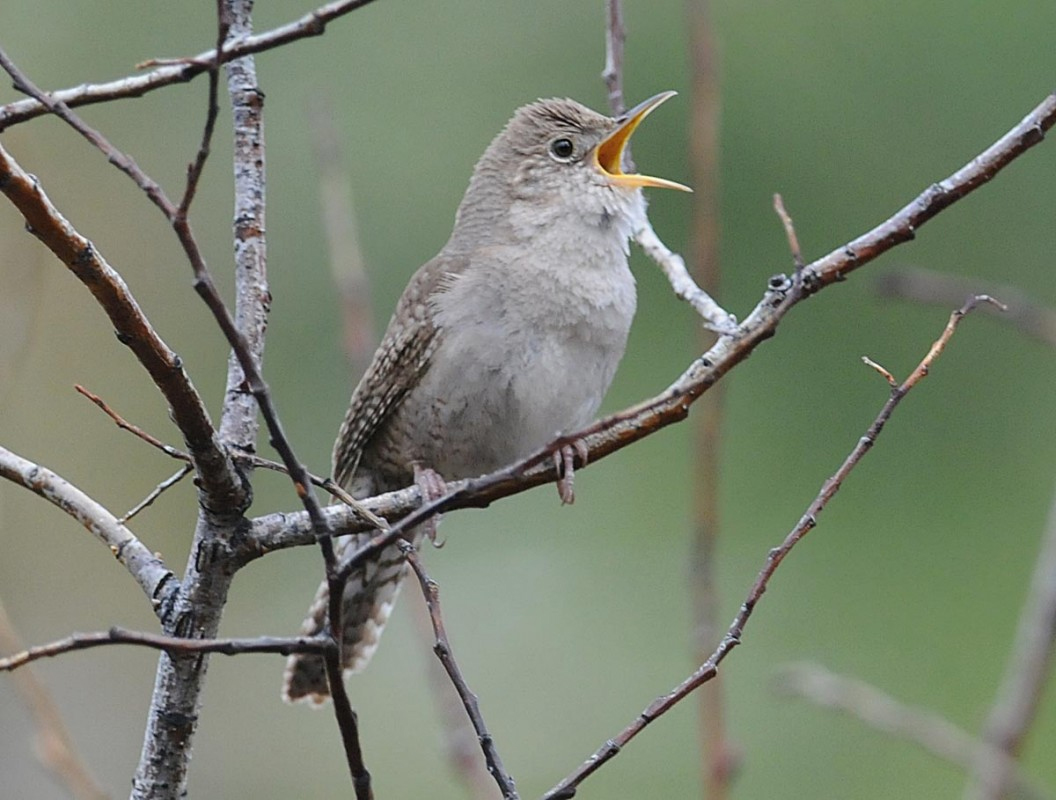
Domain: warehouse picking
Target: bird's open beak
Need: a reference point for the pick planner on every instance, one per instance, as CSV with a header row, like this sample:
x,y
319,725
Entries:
x,y
608,155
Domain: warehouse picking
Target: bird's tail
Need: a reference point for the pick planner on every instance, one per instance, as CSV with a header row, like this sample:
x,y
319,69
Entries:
x,y
368,599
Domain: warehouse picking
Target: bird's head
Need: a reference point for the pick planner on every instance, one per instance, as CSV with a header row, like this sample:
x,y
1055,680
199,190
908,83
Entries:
x,y
558,158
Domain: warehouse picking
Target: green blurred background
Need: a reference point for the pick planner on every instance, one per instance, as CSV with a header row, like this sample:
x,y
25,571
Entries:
x,y
567,621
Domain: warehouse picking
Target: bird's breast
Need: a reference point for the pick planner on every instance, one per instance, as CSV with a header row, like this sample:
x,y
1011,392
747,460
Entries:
x,y
526,351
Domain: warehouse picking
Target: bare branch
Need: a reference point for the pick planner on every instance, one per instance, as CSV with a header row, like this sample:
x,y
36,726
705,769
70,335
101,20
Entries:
x,y
53,744
709,669
442,648
170,644
172,718
131,326
149,571
790,232
157,492
119,159
716,318
902,227
881,371
615,36
135,430
1026,674
671,264
928,286
181,70
196,167
880,711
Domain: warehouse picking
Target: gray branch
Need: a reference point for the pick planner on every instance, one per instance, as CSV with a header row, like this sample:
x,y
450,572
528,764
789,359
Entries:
x,y
149,571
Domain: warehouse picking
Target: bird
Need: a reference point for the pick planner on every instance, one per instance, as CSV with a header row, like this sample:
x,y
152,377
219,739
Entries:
x,y
508,337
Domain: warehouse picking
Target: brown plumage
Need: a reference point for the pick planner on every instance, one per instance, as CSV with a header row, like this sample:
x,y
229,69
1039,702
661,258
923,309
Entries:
x,y
510,335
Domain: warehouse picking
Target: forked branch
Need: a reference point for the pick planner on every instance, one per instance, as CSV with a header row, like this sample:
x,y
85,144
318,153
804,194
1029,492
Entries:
x,y
567,788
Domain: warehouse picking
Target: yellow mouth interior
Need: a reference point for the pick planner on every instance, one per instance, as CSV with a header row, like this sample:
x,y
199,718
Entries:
x,y
608,155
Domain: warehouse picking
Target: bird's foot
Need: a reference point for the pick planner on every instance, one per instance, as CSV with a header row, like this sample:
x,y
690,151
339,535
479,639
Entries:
x,y
433,487
565,461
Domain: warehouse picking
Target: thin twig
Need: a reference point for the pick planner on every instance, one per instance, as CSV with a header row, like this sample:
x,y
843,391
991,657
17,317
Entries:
x,y
170,644
1027,672
119,159
149,571
937,288
196,167
371,519
790,232
461,745
612,74
880,711
671,264
716,318
181,70
567,787
125,425
347,719
156,492
53,744
442,648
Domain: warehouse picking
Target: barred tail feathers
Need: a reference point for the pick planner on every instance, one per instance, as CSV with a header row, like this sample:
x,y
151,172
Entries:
x,y
369,597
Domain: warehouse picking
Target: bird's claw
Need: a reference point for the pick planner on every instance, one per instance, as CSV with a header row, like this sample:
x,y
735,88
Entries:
x,y
565,461
433,487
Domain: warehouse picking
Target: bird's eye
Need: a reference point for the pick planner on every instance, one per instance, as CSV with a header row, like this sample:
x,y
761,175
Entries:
x,y
562,149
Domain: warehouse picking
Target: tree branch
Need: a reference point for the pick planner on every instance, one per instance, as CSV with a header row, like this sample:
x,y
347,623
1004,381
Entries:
x,y
157,492
709,669
170,644
182,70
131,325
612,74
880,711
442,648
155,579
135,430
1028,670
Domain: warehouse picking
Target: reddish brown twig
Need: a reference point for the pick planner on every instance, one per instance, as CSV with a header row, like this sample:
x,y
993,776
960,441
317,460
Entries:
x,y
442,648
194,170
708,670
135,430
132,327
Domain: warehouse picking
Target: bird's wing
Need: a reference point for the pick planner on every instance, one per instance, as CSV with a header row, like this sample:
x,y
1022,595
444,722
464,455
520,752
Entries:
x,y
397,366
